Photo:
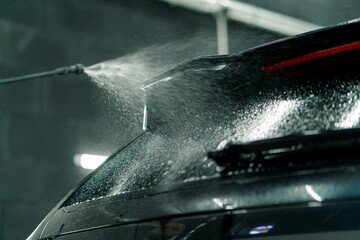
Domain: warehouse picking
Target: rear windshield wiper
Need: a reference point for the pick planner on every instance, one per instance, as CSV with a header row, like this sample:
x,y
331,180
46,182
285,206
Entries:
x,y
327,148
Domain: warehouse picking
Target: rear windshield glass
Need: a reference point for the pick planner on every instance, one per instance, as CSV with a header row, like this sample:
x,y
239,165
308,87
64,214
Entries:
x,y
200,122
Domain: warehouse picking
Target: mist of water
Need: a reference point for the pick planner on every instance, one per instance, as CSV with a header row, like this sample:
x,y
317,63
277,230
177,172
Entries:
x,y
123,78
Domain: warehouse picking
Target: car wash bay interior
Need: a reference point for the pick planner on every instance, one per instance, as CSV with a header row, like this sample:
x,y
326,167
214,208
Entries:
x,y
44,123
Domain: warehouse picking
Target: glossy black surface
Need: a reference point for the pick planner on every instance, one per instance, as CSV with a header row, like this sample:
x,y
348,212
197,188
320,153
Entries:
x,y
114,233
215,195
328,221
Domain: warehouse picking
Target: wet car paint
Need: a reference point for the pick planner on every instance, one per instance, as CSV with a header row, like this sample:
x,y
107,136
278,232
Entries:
x,y
211,196
316,223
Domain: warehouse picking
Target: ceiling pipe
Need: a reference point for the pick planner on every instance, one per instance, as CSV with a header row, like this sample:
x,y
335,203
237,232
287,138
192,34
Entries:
x,y
222,32
249,14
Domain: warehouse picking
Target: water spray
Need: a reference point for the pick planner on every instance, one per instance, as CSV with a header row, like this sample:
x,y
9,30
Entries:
x,y
76,69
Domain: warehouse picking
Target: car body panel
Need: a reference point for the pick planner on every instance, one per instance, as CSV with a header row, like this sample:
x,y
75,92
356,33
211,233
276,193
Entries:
x,y
209,196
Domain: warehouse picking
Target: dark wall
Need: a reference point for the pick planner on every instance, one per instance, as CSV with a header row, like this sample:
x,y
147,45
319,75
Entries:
x,y
323,12
44,122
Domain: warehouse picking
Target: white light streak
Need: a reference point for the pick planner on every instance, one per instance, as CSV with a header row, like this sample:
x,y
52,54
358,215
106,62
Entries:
x,y
145,118
161,80
313,193
88,161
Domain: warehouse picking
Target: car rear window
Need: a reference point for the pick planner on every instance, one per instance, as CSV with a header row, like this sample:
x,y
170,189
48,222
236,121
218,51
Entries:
x,y
177,152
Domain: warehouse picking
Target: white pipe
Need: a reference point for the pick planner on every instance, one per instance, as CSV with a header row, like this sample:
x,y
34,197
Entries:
x,y
204,6
249,14
222,32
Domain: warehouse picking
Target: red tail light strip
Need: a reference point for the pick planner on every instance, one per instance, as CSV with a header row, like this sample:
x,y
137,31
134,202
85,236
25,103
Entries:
x,y
313,56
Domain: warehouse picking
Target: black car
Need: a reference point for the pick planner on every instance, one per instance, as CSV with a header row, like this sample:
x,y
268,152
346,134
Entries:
x,y
260,144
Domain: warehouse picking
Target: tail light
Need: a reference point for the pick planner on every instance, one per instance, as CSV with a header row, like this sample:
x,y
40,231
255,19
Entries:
x,y
313,56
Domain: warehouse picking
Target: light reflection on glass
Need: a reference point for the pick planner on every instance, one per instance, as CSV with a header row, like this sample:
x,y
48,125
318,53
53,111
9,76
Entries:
x,y
218,202
313,193
351,118
145,118
261,229
268,119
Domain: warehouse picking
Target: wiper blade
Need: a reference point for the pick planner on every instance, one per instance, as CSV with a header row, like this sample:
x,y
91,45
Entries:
x,y
331,147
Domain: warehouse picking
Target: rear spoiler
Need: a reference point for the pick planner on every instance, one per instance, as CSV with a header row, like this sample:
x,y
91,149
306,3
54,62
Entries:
x,y
279,54
219,79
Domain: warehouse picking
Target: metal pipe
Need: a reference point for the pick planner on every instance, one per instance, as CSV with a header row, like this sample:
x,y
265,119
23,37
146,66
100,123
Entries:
x,y
77,69
249,14
222,32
